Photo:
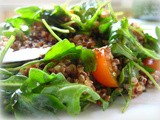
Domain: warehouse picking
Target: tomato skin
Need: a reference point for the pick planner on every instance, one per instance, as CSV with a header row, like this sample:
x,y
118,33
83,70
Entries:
x,y
152,63
103,73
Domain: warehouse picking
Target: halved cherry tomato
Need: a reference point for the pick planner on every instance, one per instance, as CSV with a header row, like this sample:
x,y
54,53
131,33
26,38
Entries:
x,y
152,63
104,73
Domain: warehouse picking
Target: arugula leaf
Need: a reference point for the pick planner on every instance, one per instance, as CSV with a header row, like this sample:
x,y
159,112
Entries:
x,y
35,79
118,48
57,86
36,106
5,102
15,31
151,43
114,95
4,26
4,74
54,16
17,22
121,31
129,72
12,83
57,51
70,94
150,70
27,16
104,27
88,60
87,14
30,12
85,11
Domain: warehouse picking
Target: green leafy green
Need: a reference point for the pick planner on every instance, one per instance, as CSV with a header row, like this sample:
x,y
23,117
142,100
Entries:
x,y
104,27
114,95
4,74
54,16
151,43
118,48
36,78
88,60
57,51
30,12
86,11
86,15
70,94
36,106
129,74
128,70
56,87
27,15
122,32
75,52
18,22
12,83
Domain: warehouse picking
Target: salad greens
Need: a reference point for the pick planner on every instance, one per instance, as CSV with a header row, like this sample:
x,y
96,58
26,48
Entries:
x,y
41,93
129,45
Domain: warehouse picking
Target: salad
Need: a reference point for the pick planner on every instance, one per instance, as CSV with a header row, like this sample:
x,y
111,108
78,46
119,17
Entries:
x,y
94,57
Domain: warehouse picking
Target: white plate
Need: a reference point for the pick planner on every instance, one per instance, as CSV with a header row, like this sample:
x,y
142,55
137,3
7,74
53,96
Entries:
x,y
24,54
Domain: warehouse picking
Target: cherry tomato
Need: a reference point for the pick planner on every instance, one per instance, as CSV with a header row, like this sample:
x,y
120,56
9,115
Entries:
x,y
104,73
152,63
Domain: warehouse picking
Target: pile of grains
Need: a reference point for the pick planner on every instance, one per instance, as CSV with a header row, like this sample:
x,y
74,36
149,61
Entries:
x,y
39,37
140,84
83,40
74,73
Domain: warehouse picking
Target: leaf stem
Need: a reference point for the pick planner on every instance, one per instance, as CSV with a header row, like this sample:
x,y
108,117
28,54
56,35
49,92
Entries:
x,y
50,30
93,19
25,65
112,12
148,74
10,84
146,51
8,45
130,89
59,29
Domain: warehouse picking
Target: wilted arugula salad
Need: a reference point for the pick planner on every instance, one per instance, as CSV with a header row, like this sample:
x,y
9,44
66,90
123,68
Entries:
x,y
93,58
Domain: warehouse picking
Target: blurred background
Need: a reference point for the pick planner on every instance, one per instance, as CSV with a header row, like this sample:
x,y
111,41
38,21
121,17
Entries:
x,y
143,9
